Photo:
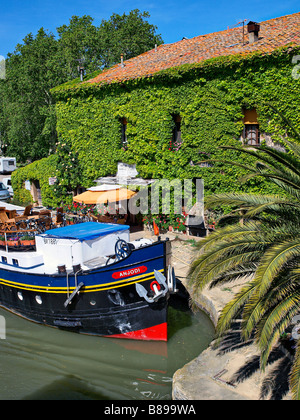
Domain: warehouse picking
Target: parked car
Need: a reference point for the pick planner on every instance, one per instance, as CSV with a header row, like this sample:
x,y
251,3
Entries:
x,y
7,182
4,193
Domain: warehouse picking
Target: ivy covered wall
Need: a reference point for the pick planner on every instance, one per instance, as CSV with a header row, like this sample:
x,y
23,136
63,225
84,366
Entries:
x,y
209,97
40,170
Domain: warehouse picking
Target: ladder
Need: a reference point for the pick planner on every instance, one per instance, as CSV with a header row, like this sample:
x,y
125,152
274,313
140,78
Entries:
x,y
76,291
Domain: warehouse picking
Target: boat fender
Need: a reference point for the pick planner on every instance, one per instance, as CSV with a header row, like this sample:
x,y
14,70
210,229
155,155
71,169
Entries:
x,y
171,280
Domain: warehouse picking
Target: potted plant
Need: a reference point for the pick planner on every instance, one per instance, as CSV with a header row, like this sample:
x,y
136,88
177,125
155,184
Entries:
x,y
13,241
27,240
211,222
2,240
69,219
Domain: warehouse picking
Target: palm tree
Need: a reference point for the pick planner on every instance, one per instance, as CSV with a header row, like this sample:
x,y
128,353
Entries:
x,y
264,245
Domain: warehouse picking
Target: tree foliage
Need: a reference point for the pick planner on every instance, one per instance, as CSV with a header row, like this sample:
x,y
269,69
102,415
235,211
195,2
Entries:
x,y
43,61
78,41
129,35
27,105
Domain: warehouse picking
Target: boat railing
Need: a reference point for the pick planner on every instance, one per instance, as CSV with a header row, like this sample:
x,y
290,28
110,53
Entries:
x,y
18,240
18,234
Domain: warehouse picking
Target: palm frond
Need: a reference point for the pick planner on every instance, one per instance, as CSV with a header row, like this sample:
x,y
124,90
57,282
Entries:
x,y
273,164
253,310
275,323
286,122
252,204
295,374
274,259
257,307
233,307
283,160
242,200
294,147
219,255
240,271
271,206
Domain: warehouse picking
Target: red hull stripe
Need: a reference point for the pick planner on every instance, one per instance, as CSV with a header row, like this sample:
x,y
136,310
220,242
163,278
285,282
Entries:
x,y
157,333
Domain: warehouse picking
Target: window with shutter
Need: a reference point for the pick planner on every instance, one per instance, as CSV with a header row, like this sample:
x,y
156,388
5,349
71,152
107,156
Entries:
x,y
252,135
251,128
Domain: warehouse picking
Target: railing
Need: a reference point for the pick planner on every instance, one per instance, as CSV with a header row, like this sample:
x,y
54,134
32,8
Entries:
x,y
19,233
17,240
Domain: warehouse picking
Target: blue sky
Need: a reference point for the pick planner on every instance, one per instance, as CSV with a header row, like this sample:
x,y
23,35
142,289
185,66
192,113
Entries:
x,y
174,19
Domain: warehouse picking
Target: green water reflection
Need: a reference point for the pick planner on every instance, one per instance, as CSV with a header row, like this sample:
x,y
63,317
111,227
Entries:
x,y
38,362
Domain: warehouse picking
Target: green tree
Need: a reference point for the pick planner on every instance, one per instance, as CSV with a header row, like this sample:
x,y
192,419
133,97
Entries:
x,y
27,102
3,123
78,41
129,35
265,246
41,62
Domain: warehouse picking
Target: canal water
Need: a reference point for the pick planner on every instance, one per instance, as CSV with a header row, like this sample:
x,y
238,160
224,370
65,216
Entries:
x,y
38,362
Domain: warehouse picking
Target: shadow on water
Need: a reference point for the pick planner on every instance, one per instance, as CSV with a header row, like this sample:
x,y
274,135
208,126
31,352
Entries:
x,y
38,362
67,388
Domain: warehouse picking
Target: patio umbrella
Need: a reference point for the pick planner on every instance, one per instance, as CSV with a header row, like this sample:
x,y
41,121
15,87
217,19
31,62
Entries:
x,y
103,197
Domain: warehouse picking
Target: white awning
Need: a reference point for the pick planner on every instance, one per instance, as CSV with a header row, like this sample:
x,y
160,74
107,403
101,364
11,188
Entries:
x,y
104,187
8,206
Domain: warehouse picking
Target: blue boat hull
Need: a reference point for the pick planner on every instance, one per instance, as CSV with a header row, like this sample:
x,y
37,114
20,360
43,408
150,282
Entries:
x,y
107,303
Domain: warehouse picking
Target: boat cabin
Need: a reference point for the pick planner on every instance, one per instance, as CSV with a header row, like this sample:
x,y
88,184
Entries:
x,y
87,245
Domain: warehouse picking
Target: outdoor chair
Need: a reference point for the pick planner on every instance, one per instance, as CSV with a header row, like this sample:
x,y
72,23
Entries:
x,y
44,222
105,219
6,222
26,213
59,216
93,217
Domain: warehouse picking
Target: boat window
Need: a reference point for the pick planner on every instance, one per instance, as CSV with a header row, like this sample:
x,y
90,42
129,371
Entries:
x,y
15,262
4,259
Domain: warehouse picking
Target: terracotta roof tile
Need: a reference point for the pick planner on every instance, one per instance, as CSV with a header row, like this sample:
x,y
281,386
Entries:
x,y
273,34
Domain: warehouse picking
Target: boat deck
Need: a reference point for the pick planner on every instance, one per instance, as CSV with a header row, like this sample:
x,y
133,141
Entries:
x,y
95,262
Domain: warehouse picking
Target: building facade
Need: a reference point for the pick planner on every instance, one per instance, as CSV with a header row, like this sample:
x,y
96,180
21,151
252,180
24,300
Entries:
x,y
170,110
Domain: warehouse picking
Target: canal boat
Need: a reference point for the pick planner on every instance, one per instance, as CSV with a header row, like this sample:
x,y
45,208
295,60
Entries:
x,y
89,278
